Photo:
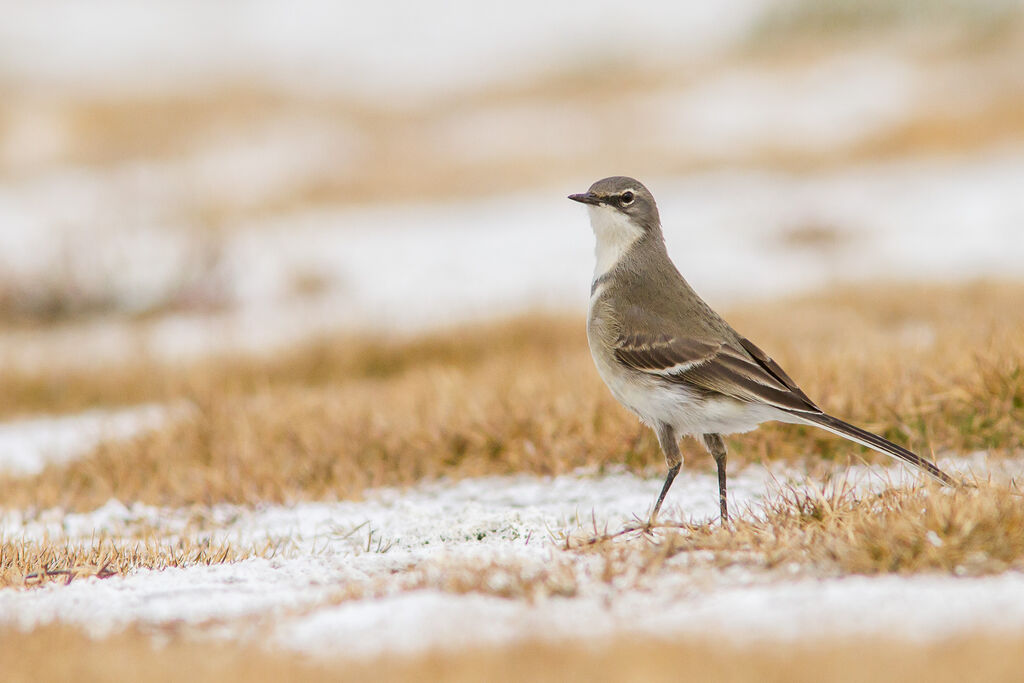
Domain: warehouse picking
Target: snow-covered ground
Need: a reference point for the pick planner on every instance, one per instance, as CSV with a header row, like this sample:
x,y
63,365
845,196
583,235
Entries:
x,y
28,445
733,234
397,49
920,609
364,578
359,578
223,221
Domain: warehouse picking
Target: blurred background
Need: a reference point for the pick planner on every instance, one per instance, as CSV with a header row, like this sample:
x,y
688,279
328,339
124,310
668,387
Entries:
x,y
178,178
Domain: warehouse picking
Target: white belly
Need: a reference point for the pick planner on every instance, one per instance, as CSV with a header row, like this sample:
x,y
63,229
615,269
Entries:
x,y
655,401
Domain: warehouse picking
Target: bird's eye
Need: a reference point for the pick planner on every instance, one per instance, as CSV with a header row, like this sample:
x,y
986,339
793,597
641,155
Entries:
x,y
626,198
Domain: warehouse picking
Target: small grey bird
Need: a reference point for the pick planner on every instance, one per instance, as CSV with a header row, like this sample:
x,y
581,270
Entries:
x,y
666,356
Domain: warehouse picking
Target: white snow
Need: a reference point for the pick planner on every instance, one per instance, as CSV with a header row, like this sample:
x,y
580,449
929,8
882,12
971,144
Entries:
x,y
328,554
28,445
414,266
822,105
363,577
924,608
398,49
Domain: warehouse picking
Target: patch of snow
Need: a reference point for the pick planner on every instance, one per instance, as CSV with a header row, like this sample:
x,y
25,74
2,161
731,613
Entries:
x,y
415,266
193,596
27,446
823,105
425,265
327,550
330,545
534,132
436,514
919,608
397,50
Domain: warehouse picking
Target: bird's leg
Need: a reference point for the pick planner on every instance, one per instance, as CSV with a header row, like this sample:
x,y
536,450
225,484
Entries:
x,y
672,472
716,446
670,447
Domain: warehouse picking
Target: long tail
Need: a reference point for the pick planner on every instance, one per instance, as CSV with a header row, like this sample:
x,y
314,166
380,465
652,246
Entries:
x,y
875,442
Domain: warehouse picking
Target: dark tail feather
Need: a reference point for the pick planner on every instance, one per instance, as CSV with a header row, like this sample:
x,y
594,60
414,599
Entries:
x,y
875,442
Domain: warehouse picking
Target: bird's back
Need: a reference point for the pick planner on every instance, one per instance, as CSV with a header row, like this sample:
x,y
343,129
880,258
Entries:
x,y
623,302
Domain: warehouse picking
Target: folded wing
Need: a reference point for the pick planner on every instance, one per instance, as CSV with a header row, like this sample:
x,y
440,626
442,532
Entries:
x,y
741,371
744,372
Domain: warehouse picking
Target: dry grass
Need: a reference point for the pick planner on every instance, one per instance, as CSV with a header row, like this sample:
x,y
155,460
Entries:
x,y
935,368
316,364
834,20
969,531
310,429
808,532
949,131
62,653
814,532
29,563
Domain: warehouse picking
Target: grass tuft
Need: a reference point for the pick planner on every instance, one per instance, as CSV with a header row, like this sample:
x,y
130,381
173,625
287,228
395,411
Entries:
x,y
834,531
30,562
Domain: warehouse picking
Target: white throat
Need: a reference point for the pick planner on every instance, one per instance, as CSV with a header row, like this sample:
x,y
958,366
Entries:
x,y
615,234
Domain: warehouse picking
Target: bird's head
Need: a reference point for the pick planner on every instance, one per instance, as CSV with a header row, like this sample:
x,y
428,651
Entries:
x,y
622,211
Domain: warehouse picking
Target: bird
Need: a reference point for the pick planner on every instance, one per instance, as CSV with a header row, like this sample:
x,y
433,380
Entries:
x,y
673,361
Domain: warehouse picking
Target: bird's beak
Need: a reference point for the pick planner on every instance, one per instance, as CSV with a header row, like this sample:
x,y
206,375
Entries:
x,y
585,198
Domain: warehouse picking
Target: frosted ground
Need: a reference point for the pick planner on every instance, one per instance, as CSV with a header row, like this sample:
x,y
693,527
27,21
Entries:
x,y
364,578
119,46
734,234
128,233
125,232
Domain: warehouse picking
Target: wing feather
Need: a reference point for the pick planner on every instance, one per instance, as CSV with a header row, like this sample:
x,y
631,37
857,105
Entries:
x,y
742,371
661,354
